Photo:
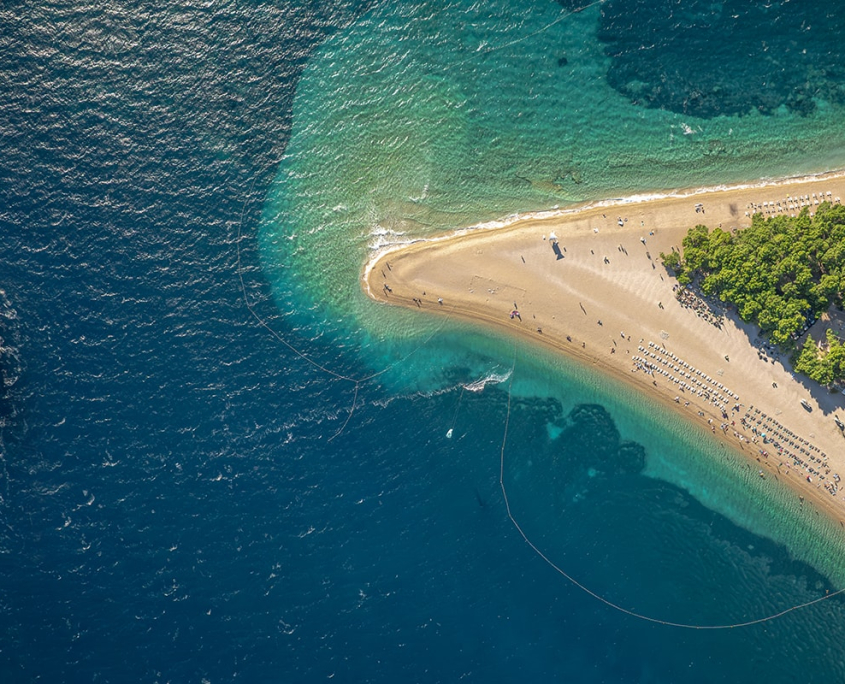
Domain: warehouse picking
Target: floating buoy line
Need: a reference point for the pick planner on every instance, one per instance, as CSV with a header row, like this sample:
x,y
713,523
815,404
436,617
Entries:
x,y
485,49
610,604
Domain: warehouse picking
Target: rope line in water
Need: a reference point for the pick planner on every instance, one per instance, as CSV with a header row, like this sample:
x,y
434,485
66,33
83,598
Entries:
x,y
602,599
349,416
457,408
487,49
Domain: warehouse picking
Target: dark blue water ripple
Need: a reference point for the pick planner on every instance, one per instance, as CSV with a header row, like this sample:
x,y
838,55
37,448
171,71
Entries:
x,y
146,430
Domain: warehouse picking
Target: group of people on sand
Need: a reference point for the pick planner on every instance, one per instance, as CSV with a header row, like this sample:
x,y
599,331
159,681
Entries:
x,y
799,452
690,300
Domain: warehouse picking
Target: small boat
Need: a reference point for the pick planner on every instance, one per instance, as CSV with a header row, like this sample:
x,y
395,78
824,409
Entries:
x,y
839,423
449,434
806,405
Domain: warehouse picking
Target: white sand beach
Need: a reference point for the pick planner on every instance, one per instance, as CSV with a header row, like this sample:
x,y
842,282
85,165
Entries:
x,y
589,283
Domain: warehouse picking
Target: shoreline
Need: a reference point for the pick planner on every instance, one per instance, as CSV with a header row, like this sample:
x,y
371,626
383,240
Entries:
x,y
599,277
514,219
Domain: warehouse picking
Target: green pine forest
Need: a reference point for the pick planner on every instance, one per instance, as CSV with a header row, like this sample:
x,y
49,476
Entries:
x,y
780,273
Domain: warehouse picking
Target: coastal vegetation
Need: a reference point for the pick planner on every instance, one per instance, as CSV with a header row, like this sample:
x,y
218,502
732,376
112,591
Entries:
x,y
780,273
826,367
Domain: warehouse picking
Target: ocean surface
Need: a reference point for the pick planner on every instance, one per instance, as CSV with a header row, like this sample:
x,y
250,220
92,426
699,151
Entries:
x,y
219,461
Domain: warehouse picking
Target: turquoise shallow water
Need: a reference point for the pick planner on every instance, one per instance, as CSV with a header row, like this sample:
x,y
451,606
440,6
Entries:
x,y
683,454
424,117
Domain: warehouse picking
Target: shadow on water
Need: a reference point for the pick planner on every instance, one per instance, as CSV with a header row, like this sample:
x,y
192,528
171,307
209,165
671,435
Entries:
x,y
579,491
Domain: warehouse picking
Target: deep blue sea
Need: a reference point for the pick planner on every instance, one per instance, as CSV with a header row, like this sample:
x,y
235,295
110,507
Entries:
x,y
220,462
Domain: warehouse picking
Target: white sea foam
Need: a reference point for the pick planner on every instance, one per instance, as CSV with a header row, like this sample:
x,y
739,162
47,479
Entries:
x,y
492,378
381,238
423,196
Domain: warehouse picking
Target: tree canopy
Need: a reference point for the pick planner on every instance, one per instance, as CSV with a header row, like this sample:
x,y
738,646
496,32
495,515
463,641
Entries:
x,y
781,273
826,367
